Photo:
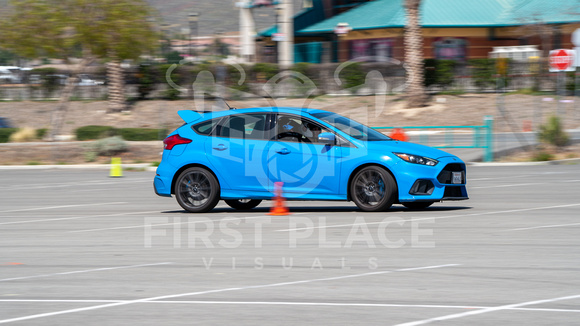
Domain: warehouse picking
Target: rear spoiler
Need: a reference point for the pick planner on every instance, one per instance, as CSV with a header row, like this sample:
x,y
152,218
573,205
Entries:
x,y
191,115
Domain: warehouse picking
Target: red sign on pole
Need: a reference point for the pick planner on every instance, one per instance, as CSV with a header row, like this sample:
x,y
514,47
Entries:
x,y
562,60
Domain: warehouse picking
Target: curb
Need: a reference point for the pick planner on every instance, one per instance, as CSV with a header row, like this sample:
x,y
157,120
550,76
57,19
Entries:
x,y
145,166
569,161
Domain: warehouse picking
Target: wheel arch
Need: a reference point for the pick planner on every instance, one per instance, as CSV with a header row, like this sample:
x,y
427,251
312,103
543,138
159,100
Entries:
x,y
360,167
187,166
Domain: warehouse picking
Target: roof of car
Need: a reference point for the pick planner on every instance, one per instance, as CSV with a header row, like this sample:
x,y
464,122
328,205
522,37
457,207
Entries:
x,y
215,114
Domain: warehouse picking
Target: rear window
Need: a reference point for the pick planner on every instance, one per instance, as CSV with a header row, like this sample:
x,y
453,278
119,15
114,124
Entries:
x,y
205,128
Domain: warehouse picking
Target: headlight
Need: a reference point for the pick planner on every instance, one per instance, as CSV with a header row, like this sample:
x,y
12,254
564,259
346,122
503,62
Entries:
x,y
417,159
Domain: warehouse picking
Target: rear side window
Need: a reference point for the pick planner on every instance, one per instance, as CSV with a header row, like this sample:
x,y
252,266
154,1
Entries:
x,y
246,126
205,128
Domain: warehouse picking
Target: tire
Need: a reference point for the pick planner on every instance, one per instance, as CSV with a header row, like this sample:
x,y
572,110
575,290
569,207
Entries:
x,y
243,204
418,204
197,190
373,189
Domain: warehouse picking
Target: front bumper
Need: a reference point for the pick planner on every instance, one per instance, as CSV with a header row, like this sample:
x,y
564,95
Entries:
x,y
445,181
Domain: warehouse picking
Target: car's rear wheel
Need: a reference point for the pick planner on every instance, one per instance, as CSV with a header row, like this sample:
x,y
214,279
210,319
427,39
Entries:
x,y
197,190
418,205
373,189
243,204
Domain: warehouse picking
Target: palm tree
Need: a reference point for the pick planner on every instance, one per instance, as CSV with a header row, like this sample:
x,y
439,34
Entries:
x,y
117,100
416,96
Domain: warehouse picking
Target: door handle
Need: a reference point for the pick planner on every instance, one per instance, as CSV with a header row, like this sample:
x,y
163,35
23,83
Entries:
x,y
283,151
220,147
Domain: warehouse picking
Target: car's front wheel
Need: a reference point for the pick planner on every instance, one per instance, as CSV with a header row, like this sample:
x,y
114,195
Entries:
x,y
197,190
373,189
243,204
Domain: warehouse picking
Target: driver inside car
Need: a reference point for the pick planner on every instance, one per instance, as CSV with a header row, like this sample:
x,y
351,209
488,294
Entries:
x,y
288,128
311,131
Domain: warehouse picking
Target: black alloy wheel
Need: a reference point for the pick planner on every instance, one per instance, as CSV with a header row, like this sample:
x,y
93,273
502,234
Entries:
x,y
373,189
197,190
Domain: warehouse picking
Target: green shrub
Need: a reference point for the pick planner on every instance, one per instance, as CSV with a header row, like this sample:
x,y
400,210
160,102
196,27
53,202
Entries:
x,y
439,72
5,134
553,132
146,78
542,157
131,134
304,68
171,94
179,75
265,71
40,133
141,134
353,76
107,146
94,132
570,81
234,76
50,80
483,72
90,155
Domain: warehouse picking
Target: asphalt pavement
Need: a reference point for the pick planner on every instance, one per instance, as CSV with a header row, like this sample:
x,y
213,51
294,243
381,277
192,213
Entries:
x,y
79,247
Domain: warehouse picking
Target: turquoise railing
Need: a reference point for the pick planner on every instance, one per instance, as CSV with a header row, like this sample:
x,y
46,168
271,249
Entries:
x,y
481,137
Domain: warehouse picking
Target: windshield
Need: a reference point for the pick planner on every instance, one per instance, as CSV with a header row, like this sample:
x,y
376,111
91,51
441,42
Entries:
x,y
352,128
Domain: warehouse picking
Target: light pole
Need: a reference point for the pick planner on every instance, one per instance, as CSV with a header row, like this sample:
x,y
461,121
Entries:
x,y
217,43
166,40
279,12
192,17
286,45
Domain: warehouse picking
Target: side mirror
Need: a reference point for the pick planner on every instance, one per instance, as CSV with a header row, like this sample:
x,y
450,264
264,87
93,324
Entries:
x,y
327,138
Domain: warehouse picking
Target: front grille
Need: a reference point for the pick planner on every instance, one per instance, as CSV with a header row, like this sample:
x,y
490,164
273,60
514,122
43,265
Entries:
x,y
445,177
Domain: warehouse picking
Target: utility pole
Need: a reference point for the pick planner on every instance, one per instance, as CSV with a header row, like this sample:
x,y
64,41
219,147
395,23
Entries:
x,y
247,31
192,24
286,44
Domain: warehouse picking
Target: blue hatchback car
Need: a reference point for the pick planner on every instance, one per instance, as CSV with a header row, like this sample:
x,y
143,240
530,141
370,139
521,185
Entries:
x,y
238,155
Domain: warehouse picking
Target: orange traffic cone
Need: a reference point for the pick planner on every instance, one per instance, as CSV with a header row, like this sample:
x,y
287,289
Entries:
x,y
527,126
279,208
399,134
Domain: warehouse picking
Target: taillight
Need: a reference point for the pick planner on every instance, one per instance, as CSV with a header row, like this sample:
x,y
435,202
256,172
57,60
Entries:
x,y
171,141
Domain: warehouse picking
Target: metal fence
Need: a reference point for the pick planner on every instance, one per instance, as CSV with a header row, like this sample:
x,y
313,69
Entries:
x,y
453,136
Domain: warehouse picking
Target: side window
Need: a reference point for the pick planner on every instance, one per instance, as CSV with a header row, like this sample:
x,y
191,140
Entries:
x,y
205,128
246,126
297,129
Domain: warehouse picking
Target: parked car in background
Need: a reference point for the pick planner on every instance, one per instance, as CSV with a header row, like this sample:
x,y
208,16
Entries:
x,y
10,75
5,123
239,156
86,80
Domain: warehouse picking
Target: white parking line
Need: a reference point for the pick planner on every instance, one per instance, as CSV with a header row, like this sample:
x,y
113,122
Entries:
x,y
432,218
80,272
76,217
545,227
486,310
63,206
508,185
173,296
292,303
63,185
